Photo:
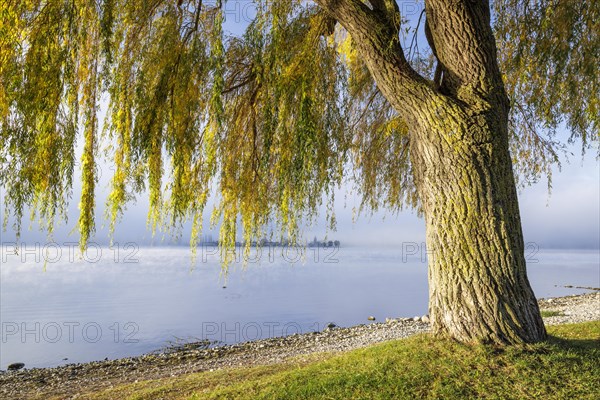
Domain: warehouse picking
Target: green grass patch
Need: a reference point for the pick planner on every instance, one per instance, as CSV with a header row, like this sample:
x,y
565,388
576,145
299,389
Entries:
x,y
551,313
564,367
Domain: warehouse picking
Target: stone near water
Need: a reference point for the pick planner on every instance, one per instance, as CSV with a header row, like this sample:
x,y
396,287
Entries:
x,y
15,366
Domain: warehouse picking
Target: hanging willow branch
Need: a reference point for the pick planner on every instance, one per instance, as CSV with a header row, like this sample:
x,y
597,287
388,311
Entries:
x,y
274,119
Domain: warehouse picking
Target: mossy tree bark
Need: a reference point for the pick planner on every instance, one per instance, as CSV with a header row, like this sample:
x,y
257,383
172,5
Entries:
x,y
479,289
477,275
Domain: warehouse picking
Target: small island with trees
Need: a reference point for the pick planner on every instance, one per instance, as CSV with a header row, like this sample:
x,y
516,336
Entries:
x,y
324,243
208,241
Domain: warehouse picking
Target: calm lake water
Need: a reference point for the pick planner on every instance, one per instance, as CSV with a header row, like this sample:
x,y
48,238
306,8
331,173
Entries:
x,y
128,301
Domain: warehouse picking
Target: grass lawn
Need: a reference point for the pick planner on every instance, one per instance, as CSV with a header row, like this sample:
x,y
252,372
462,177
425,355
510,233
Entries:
x,y
567,366
551,313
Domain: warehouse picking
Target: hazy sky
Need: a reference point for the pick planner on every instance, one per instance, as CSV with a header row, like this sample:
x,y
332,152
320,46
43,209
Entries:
x,y
568,218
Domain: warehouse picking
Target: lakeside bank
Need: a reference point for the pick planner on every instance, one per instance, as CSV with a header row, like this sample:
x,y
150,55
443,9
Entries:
x,y
70,380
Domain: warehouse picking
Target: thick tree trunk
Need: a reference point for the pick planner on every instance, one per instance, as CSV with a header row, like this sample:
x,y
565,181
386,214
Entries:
x,y
478,286
462,167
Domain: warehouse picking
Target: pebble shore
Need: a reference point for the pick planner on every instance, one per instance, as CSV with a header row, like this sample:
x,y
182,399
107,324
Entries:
x,y
70,380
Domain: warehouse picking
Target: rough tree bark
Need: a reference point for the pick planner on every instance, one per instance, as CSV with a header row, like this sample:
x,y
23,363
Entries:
x,y
478,284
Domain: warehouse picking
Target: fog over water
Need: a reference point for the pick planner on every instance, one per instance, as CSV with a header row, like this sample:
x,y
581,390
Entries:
x,y
129,301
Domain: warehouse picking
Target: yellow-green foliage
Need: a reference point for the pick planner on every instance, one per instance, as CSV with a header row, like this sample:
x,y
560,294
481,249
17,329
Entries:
x,y
273,120
549,51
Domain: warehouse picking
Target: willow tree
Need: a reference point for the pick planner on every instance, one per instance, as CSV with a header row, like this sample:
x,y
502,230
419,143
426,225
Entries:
x,y
309,96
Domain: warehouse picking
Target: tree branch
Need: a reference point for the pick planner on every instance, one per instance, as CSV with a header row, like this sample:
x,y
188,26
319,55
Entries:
x,y
465,46
249,78
376,36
